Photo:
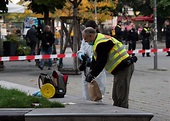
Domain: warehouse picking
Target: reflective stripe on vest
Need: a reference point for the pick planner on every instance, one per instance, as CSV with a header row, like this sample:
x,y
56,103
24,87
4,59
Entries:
x,y
119,26
147,30
116,55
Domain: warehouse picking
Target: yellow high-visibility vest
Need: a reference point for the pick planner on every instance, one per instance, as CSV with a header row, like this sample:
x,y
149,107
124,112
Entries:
x,y
146,30
116,55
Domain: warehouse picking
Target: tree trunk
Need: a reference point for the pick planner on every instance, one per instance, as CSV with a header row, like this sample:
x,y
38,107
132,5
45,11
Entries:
x,y
75,37
46,17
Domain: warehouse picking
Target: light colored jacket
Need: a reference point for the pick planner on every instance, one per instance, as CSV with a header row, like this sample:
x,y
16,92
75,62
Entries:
x,y
100,79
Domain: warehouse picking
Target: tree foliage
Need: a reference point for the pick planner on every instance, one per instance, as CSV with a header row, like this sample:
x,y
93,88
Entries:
x,y
45,7
146,7
163,8
40,6
104,8
86,9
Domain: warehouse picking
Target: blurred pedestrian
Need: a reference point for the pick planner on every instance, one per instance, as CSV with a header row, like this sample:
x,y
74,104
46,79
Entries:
x,y
31,39
125,35
57,37
146,33
39,37
132,38
139,29
46,46
167,35
118,31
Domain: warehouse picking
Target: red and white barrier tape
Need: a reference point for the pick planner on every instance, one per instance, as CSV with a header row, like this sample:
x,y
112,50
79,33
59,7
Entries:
x,y
33,57
149,51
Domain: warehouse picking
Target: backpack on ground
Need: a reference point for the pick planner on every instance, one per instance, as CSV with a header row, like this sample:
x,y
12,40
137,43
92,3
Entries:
x,y
53,86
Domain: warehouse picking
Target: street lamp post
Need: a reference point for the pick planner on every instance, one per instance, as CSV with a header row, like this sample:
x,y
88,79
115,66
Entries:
x,y
155,36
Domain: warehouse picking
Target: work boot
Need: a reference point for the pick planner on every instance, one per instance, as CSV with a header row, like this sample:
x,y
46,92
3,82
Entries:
x,y
168,54
143,54
148,54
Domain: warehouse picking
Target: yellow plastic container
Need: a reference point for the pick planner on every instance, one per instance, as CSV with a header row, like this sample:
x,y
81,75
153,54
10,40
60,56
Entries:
x,y
48,90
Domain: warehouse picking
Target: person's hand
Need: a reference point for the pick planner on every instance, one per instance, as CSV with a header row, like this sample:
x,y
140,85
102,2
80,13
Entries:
x,y
81,56
48,43
134,59
89,77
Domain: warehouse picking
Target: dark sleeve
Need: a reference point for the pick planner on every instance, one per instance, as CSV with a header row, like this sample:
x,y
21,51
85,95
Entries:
x,y
118,31
168,31
102,51
129,35
137,36
142,32
52,39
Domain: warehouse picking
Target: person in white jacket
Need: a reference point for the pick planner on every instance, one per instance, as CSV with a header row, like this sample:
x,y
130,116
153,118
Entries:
x,y
87,49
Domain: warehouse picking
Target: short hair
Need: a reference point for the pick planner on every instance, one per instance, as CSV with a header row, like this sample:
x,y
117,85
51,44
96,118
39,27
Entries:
x,y
34,26
89,30
147,23
167,20
119,21
47,26
91,23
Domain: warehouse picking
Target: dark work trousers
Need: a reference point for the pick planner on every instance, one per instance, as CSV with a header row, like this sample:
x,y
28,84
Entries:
x,y
32,46
145,45
132,46
168,44
121,85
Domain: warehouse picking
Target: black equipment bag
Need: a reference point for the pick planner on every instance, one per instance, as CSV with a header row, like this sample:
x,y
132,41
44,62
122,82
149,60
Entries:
x,y
58,80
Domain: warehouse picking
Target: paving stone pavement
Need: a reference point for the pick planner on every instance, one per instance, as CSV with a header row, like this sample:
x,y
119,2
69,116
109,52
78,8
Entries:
x,y
149,91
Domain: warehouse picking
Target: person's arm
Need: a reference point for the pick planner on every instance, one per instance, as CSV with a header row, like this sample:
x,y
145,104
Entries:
x,y
118,31
137,36
129,35
27,34
82,51
52,39
102,54
141,33
168,31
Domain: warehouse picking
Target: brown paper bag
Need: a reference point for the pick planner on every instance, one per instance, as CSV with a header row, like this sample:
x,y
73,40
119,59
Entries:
x,y
94,91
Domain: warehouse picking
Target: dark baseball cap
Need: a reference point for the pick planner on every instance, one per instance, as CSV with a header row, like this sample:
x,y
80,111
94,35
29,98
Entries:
x,y
91,23
119,21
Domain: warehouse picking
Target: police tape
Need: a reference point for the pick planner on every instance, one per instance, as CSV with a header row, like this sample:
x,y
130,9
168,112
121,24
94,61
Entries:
x,y
34,57
149,50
